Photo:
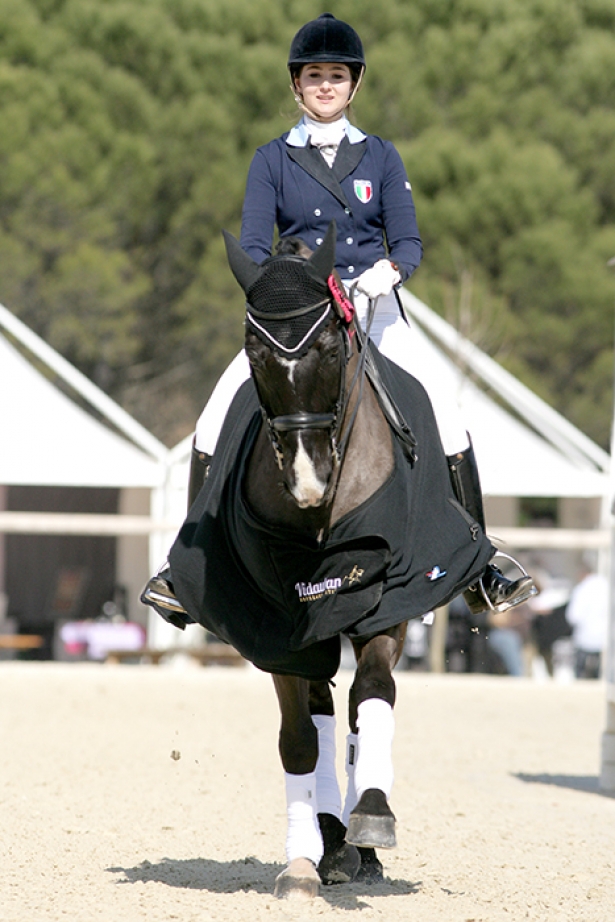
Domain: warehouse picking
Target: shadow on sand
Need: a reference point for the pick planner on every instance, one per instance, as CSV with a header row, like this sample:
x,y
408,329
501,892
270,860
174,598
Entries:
x,y
590,784
248,875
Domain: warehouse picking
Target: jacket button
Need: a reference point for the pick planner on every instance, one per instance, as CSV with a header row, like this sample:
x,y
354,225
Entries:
x,y
351,268
317,212
346,210
349,240
318,241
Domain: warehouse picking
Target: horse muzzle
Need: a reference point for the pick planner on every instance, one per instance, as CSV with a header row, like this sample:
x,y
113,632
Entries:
x,y
307,476
309,482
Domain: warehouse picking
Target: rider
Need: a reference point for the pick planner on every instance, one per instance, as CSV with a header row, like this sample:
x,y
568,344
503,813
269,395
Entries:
x,y
325,168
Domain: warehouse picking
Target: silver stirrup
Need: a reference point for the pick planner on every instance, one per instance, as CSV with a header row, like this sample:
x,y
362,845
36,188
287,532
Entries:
x,y
504,606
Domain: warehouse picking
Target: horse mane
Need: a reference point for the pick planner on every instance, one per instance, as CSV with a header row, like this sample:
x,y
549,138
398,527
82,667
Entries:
x,y
293,246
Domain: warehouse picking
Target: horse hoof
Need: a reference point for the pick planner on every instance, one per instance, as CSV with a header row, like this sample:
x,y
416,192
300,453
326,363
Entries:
x,y
299,880
341,861
372,823
371,870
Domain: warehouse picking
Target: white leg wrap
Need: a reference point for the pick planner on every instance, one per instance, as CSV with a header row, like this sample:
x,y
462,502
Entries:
x,y
352,751
374,767
303,838
327,787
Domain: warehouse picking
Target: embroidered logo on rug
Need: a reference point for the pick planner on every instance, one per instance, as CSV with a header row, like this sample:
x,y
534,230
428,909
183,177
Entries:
x,y
309,592
435,573
363,190
354,576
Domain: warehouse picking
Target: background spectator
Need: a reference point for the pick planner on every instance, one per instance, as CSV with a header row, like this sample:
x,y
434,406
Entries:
x,y
587,613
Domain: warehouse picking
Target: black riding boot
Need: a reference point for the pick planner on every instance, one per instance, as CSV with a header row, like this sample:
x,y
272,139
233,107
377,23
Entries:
x,y
493,591
159,592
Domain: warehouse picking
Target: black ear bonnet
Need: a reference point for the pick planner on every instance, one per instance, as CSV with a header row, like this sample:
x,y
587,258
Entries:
x,y
287,308
288,297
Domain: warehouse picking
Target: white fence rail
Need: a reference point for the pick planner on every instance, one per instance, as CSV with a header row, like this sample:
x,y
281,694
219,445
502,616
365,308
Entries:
x,y
58,523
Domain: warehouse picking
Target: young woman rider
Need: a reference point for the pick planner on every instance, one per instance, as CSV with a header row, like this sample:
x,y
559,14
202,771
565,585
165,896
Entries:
x,y
325,168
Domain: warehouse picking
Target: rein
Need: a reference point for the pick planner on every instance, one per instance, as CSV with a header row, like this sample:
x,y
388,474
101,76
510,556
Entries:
x,y
359,375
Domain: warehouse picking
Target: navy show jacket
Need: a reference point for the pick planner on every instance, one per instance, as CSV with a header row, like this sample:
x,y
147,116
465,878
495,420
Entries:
x,y
366,191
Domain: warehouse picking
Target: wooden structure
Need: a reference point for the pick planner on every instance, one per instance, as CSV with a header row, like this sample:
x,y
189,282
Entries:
x,y
209,654
17,643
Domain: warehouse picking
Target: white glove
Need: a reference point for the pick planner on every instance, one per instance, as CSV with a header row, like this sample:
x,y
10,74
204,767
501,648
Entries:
x,y
379,280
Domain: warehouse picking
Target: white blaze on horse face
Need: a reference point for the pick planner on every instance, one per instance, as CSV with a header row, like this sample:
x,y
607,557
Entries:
x,y
289,365
308,490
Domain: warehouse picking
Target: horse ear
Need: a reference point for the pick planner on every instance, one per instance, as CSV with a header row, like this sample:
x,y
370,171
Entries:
x,y
245,270
322,260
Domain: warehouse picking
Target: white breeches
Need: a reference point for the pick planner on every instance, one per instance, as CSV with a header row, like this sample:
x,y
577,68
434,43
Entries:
x,y
210,421
394,338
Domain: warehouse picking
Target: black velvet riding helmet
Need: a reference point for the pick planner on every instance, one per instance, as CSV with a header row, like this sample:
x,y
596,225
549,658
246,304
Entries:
x,y
326,39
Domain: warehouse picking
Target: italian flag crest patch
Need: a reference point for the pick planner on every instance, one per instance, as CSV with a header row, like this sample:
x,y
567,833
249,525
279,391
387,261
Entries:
x,y
363,190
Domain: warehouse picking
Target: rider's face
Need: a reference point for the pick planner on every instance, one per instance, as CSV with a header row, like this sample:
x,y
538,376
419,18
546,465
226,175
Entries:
x,y
325,89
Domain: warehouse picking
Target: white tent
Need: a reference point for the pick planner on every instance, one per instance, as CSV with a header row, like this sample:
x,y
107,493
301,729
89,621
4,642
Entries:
x,y
526,450
49,439
60,430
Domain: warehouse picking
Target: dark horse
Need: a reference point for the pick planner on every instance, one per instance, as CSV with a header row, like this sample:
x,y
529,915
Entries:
x,y
324,515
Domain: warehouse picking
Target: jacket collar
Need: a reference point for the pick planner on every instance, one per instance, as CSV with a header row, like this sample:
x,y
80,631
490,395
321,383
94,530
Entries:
x,y
299,135
349,155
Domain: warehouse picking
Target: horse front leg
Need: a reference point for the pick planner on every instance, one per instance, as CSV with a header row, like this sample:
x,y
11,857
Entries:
x,y
298,746
371,823
340,861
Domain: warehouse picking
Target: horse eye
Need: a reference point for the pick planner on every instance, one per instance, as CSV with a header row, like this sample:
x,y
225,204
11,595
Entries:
x,y
256,352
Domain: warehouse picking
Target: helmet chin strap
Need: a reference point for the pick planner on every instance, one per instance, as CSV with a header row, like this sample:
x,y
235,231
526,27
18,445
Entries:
x,y
356,86
304,108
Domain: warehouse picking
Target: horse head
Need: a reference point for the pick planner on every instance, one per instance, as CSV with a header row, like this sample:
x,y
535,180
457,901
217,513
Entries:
x,y
297,344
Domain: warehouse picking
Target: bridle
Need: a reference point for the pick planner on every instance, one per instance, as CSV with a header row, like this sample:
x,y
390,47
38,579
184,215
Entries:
x,y
303,421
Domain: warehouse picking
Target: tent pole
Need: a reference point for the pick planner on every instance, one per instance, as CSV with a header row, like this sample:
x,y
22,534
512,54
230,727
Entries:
x,y
607,769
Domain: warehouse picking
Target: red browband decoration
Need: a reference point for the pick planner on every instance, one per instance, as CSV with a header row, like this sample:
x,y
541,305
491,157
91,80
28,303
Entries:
x,y
339,296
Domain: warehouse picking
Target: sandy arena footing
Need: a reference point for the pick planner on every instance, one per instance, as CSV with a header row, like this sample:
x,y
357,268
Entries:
x,y
142,793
